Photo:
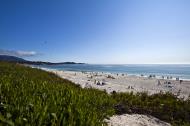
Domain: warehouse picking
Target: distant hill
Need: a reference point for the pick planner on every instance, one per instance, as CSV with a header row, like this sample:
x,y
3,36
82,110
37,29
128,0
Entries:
x,y
23,61
11,58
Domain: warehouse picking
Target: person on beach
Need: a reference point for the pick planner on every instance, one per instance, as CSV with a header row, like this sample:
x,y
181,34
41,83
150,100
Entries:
x,y
94,81
98,83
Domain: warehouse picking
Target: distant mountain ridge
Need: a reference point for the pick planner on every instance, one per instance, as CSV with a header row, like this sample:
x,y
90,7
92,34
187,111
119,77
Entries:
x,y
11,58
23,61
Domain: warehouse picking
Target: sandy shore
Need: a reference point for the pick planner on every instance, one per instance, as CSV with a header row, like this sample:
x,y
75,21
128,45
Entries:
x,y
127,83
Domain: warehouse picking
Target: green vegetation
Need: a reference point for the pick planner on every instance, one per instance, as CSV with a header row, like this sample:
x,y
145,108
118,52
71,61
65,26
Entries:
x,y
163,106
35,97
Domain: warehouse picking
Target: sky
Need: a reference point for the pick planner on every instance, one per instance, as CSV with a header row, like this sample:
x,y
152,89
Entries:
x,y
97,31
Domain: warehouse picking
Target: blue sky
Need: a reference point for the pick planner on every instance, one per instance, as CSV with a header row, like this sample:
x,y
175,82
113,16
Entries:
x,y
96,31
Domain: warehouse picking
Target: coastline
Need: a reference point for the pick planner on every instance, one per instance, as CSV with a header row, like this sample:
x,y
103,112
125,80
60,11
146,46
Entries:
x,y
125,83
159,71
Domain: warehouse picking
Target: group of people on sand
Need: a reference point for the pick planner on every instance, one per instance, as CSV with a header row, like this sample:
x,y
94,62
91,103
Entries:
x,y
98,82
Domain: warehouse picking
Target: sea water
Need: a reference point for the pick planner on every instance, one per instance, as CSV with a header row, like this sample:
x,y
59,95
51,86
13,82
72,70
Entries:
x,y
170,70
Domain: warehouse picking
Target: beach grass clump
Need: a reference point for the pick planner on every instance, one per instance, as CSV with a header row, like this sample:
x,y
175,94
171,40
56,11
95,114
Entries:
x,y
35,97
31,96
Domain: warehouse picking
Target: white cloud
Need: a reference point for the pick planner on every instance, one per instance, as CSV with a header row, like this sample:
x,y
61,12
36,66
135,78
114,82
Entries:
x,y
17,53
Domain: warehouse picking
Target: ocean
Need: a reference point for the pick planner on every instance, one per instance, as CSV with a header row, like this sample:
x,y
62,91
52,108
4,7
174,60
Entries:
x,y
177,70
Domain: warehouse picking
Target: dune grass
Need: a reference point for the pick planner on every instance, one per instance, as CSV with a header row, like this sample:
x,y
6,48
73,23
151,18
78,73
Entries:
x,y
35,97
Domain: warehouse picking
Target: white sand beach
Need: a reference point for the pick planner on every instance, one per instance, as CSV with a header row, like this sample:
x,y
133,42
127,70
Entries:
x,y
127,83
